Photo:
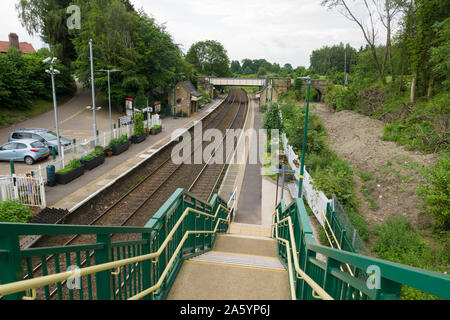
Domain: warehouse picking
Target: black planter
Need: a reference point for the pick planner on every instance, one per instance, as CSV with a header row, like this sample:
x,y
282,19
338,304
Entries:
x,y
156,131
139,139
94,162
69,176
120,148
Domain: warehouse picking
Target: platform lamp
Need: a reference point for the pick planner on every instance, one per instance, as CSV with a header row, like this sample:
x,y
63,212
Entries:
x,y
109,71
52,71
302,165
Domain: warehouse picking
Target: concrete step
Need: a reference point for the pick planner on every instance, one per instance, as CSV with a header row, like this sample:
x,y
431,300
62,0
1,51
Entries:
x,y
240,267
250,245
242,260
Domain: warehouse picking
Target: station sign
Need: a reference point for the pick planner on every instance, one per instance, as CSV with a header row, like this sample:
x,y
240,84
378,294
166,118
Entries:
x,y
125,120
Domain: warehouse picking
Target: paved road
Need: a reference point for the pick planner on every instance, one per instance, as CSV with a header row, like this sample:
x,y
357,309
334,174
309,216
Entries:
x,y
75,122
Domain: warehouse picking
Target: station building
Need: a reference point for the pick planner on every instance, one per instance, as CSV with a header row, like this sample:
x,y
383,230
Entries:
x,y
187,99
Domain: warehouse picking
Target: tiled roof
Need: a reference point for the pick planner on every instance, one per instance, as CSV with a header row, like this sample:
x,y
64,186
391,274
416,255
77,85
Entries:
x,y
24,47
191,89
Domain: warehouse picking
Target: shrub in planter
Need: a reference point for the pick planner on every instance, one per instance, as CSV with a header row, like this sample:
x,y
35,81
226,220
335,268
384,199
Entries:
x,y
139,131
72,171
14,211
156,129
119,145
93,159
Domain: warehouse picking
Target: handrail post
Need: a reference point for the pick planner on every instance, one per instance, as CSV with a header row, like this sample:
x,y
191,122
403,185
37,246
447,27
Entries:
x,y
103,279
10,263
327,280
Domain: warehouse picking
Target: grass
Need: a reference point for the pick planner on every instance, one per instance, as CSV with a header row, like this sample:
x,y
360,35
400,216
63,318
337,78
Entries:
x,y
9,117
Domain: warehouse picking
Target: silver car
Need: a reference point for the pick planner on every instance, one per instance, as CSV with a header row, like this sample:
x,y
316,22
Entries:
x,y
24,150
43,135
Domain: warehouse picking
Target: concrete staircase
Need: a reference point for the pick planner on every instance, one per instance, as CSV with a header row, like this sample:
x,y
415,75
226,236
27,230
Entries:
x,y
240,267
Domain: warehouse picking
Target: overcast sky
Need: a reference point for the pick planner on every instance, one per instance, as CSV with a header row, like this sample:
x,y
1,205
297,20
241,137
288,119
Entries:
x,y
283,31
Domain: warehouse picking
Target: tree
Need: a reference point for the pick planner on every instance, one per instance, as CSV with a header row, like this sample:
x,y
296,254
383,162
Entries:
x,y
48,18
235,66
369,31
210,58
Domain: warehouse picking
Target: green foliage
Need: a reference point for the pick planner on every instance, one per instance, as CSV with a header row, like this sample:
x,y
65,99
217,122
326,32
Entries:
x,y
73,164
332,58
209,58
23,80
130,41
398,241
338,179
313,94
118,141
436,195
341,98
98,151
14,211
139,124
294,122
271,119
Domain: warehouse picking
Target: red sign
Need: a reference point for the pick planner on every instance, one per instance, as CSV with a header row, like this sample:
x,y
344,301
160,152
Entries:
x,y
129,99
158,102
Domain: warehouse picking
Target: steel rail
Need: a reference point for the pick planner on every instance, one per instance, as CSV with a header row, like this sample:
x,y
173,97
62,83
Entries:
x,y
212,156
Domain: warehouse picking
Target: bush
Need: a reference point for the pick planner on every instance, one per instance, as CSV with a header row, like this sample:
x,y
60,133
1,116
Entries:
x,y
271,119
139,124
436,195
341,98
398,241
313,94
14,211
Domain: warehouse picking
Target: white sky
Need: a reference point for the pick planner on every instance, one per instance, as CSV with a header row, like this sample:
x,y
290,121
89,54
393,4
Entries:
x,y
283,31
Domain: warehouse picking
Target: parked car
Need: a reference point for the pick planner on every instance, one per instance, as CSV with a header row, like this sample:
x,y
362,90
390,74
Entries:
x,y
24,150
43,135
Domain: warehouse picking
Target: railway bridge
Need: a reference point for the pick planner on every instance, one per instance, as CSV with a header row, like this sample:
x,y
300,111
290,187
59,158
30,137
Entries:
x,y
191,249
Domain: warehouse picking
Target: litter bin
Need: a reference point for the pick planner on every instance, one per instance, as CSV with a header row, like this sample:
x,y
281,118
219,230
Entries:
x,y
51,175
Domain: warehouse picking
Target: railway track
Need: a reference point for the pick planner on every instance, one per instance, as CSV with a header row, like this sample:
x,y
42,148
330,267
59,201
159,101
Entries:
x,y
134,206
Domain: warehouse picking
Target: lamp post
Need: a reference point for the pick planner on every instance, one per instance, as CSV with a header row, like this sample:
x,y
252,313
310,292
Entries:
x,y
109,71
175,93
94,109
302,165
52,71
93,89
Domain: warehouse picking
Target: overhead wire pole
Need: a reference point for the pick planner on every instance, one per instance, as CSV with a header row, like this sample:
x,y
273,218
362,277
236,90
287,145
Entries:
x,y
302,165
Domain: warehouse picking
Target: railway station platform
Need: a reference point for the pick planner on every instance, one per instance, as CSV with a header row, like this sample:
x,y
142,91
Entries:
x,y
72,195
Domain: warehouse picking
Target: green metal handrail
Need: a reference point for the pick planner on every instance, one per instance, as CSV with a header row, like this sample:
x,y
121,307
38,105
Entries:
x,y
385,277
126,280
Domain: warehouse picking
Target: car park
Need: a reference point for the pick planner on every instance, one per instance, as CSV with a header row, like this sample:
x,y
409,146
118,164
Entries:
x,y
26,150
43,135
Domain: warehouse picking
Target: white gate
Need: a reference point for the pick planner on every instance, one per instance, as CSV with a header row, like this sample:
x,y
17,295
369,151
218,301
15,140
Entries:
x,y
27,189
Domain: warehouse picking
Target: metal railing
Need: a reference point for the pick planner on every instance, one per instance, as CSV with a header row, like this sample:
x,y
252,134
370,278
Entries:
x,y
141,267
384,280
28,190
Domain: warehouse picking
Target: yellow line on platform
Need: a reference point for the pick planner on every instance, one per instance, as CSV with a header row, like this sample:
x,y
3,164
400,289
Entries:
x,y
235,266
245,254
